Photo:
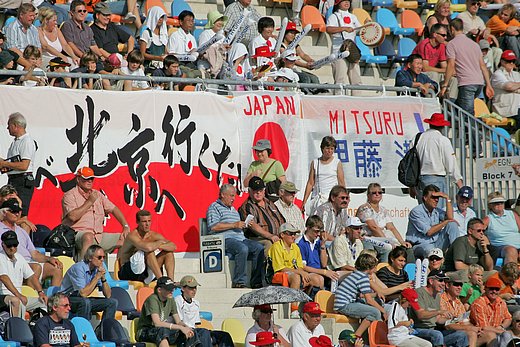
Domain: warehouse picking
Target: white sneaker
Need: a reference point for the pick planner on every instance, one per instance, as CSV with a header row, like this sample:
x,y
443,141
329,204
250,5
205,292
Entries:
x,y
130,17
150,277
295,315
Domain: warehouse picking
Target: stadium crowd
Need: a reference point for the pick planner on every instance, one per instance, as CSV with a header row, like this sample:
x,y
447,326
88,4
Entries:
x,y
457,296
460,299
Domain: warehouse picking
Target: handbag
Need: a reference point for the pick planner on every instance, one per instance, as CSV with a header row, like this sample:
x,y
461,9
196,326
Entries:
x,y
271,188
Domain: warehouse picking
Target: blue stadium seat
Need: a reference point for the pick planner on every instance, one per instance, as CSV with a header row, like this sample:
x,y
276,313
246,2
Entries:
x,y
115,283
329,13
86,333
17,329
382,3
178,6
124,303
196,33
52,290
405,47
387,19
8,343
501,146
367,56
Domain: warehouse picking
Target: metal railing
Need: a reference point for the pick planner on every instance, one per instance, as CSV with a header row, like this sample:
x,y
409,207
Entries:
x,y
472,138
204,83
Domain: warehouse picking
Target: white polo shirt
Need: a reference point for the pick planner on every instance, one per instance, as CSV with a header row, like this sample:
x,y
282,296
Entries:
x,y
17,270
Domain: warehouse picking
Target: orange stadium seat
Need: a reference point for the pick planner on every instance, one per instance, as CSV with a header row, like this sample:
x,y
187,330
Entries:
x,y
410,19
377,335
311,15
142,295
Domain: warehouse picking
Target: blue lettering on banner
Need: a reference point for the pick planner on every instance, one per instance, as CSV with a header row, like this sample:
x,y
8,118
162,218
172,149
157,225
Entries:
x,y
212,260
342,150
368,162
402,149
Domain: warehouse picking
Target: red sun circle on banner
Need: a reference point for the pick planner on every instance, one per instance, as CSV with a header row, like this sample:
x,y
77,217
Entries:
x,y
346,20
274,133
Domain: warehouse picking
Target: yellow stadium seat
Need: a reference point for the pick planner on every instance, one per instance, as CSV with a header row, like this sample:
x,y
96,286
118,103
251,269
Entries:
x,y
29,292
235,328
362,15
205,324
135,284
133,331
381,265
326,301
67,263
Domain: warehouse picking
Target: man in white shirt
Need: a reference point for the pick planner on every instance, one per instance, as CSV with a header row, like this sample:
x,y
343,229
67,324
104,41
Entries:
x,y
309,326
437,158
462,212
19,164
184,46
286,206
13,270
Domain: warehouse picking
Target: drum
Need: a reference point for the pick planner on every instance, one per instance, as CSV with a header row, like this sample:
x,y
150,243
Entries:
x,y
354,52
372,34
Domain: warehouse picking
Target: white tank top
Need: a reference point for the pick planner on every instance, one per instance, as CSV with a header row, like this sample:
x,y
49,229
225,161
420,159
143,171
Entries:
x,y
54,44
326,176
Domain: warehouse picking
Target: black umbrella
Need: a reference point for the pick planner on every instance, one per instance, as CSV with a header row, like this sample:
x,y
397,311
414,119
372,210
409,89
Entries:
x,y
271,295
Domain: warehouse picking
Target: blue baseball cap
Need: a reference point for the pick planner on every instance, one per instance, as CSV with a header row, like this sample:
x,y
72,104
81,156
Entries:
x,y
465,192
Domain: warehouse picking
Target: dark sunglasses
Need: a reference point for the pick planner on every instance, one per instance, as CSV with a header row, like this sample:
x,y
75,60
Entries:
x,y
517,321
492,289
443,35
344,197
377,193
81,11
266,311
456,284
100,257
479,230
355,227
434,258
435,197
11,246
293,233
440,279
475,3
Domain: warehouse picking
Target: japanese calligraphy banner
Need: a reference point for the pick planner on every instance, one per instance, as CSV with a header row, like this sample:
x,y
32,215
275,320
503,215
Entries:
x,y
168,152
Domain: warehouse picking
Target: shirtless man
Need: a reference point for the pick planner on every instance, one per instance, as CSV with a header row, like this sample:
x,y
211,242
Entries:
x,y
144,252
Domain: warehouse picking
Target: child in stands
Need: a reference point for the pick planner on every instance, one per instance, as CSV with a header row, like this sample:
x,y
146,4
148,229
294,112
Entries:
x,y
135,61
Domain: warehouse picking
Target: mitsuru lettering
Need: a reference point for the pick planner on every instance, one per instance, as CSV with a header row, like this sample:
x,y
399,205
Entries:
x,y
366,122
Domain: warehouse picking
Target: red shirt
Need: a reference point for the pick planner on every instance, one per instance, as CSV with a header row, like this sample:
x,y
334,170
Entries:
x,y
434,55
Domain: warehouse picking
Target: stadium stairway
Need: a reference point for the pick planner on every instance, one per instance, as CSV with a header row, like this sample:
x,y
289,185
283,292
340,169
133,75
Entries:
x,y
216,295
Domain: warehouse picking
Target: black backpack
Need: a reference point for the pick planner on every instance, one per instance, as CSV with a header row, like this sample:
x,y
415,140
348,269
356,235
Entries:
x,y
61,241
409,168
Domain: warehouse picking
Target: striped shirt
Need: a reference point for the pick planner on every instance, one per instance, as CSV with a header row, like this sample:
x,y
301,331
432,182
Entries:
x,y
333,222
267,217
19,37
455,307
292,214
350,289
487,314
220,213
390,279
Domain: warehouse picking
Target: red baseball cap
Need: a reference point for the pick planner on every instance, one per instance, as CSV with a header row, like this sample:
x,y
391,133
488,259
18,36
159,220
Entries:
x,y
320,341
312,307
508,55
411,296
493,283
264,338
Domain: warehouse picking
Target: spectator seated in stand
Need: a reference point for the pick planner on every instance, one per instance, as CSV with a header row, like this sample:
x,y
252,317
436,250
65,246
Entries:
x,y
346,247
78,34
58,65
508,277
188,309
393,275
263,317
135,61
265,38
503,229
506,83
234,11
287,259
34,56
441,15
171,68
87,64
286,206
309,326
334,213
213,59
182,44
153,38
9,192
473,289
22,32
505,26
413,77
236,66
357,285
432,49
108,35
314,252
462,212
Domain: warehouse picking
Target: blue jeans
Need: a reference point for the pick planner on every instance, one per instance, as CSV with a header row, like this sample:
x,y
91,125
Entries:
x,y
466,97
443,241
362,311
85,307
455,338
242,251
425,180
